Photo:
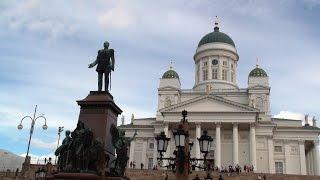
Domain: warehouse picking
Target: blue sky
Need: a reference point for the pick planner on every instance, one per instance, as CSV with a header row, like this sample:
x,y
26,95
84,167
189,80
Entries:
x,y
46,46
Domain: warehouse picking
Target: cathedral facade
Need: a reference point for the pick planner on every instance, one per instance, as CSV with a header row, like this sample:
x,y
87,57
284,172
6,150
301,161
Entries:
x,y
238,119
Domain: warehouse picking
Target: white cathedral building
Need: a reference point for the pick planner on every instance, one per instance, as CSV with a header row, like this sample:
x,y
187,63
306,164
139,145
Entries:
x,y
238,119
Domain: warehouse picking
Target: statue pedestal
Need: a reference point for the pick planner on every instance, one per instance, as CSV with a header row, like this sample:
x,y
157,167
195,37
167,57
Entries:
x,y
98,112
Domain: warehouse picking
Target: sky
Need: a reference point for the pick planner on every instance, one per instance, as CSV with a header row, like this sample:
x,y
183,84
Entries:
x,y
46,47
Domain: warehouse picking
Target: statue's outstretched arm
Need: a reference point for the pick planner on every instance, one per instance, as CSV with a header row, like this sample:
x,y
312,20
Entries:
x,y
95,62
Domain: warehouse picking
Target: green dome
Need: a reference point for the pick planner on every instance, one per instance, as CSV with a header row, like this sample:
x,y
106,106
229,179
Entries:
x,y
216,36
170,74
258,72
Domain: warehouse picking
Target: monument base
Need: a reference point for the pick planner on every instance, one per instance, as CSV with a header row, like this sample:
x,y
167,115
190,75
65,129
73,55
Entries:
x,y
80,176
99,112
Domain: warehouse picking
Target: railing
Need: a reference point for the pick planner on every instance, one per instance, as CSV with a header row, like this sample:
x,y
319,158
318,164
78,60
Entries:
x,y
213,90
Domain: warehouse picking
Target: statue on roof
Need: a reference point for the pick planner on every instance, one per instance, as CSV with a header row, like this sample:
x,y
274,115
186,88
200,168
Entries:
x,y
105,64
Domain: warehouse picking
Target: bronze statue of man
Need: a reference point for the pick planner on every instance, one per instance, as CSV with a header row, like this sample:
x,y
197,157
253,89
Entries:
x,y
105,61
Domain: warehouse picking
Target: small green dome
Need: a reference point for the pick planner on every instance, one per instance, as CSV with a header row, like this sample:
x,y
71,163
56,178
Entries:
x,y
258,72
170,74
216,36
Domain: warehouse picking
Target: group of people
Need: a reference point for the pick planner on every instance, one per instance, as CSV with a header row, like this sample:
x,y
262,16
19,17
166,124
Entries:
x,y
237,168
132,165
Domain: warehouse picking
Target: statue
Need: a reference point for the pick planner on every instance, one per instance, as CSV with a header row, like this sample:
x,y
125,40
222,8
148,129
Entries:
x,y
62,151
80,152
104,65
120,143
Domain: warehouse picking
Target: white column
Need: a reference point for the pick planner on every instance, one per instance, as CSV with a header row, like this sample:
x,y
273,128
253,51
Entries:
x,y
210,69
287,156
200,70
144,154
155,153
197,146
220,67
303,169
218,146
311,162
235,144
307,163
253,154
316,157
131,154
271,158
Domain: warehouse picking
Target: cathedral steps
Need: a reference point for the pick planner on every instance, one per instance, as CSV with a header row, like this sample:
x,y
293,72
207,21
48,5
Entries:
x,y
137,174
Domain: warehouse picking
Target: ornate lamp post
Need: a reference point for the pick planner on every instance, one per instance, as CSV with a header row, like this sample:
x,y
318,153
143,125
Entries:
x,y
33,121
182,160
205,143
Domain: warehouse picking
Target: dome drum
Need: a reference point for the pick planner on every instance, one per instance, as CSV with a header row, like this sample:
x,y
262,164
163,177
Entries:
x,y
170,74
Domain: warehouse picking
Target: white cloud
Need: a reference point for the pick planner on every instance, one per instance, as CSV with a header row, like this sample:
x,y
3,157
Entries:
x,y
310,4
119,16
293,116
40,159
289,115
45,145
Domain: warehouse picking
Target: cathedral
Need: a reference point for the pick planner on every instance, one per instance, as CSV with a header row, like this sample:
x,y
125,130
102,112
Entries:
x,y
238,119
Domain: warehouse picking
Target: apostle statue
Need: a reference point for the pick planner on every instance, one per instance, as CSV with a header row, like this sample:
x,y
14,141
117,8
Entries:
x,y
105,64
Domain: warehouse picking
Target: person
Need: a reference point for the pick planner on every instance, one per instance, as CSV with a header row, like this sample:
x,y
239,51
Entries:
x,y
259,177
17,172
130,164
264,177
141,165
220,177
134,164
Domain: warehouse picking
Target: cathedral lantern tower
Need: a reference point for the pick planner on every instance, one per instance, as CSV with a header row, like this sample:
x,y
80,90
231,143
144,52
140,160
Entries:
x,y
259,90
216,61
169,88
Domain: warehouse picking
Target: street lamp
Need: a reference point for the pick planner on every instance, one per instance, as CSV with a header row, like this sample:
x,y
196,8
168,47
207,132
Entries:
x,y
59,132
33,121
180,137
205,142
162,143
182,159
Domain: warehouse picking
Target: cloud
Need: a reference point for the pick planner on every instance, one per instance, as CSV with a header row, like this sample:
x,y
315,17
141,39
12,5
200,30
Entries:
x,y
41,144
40,159
37,17
146,36
311,4
293,116
289,115
119,17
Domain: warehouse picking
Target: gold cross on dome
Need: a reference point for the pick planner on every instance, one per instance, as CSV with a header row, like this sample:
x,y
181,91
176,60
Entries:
x,y
171,65
257,62
216,22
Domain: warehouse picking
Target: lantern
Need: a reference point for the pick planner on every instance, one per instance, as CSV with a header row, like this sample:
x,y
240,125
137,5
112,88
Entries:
x,y
205,142
180,137
162,142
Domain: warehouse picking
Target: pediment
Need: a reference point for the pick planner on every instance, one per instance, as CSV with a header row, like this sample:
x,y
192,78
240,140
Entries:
x,y
209,103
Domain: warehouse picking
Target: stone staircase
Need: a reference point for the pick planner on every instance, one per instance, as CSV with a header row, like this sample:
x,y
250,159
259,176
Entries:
x,y
137,174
